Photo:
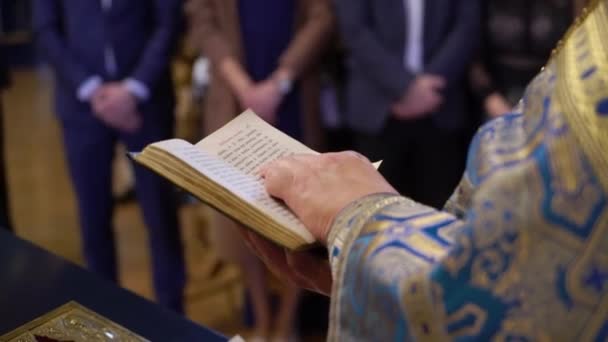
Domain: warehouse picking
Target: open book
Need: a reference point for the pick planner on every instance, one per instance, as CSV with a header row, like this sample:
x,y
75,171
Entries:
x,y
222,170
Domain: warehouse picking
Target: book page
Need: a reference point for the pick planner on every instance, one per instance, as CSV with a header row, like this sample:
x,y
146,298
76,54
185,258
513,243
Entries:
x,y
249,187
214,168
248,142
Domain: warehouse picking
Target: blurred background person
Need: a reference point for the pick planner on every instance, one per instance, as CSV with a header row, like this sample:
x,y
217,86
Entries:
x,y
337,134
263,56
406,92
111,61
5,221
518,37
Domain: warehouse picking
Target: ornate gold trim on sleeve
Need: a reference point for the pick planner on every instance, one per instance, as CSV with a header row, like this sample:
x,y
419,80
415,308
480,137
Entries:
x,y
582,84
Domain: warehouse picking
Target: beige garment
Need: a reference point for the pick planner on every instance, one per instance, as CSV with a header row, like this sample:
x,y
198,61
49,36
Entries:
x,y
123,178
227,241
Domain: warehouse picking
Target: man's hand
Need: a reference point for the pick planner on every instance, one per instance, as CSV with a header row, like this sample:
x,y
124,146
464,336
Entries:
x,y
117,107
302,269
423,97
263,98
318,187
496,105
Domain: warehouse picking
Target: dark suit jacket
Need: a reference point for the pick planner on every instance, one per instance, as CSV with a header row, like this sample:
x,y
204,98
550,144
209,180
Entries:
x,y
73,34
374,33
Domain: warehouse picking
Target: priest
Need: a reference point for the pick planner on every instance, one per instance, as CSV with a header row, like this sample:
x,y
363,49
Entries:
x,y
520,250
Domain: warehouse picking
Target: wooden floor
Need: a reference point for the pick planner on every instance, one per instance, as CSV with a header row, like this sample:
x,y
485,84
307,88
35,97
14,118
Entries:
x,y
43,209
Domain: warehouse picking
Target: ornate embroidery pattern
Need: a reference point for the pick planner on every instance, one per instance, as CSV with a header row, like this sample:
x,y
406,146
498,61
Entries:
x,y
527,256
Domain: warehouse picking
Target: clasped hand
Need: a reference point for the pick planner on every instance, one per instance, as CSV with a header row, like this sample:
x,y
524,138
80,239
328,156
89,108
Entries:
x,y
316,188
263,98
116,107
423,97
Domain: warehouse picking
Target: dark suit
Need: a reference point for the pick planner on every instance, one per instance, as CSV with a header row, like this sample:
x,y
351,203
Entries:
x,y
73,35
5,220
421,158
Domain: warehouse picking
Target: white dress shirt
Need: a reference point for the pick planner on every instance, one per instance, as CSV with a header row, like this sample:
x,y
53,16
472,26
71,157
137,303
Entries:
x,y
414,45
109,56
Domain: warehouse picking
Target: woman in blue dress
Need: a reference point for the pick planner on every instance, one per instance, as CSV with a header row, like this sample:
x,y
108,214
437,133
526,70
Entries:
x,y
264,56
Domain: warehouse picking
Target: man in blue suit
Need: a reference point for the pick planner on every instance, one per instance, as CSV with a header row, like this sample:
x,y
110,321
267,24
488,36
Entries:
x,y
111,59
406,99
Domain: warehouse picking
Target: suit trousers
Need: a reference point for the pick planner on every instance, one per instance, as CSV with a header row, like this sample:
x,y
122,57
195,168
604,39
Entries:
x,y
420,160
5,217
90,147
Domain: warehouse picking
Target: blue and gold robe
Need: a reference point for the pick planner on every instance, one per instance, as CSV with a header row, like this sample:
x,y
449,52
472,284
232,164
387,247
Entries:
x,y
521,250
